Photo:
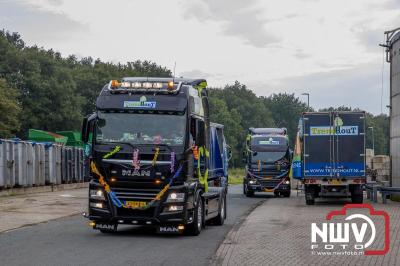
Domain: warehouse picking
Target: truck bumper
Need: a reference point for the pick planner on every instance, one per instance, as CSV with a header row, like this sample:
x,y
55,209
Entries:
x,y
269,187
332,187
158,214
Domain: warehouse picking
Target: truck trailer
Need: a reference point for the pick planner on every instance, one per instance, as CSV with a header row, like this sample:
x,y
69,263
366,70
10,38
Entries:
x,y
329,155
268,159
155,158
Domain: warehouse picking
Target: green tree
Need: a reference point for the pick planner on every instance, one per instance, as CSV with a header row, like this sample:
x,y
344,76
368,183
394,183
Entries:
x,y
10,110
56,92
238,108
286,110
231,121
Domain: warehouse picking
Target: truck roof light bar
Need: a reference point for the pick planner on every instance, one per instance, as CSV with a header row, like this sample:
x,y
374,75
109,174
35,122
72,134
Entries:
x,y
144,86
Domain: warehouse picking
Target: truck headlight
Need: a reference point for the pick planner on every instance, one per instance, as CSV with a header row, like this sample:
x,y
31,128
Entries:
x,y
97,194
98,205
174,208
287,182
252,182
176,197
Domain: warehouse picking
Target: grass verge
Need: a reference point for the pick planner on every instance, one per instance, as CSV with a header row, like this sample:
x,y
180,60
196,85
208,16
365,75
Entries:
x,y
236,176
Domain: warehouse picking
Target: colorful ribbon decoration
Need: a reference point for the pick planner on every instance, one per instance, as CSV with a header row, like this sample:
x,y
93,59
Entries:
x,y
111,153
172,164
195,150
154,162
118,203
203,153
135,161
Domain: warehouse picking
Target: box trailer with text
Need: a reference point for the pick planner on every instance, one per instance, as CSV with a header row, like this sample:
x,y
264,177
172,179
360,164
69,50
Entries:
x,y
330,155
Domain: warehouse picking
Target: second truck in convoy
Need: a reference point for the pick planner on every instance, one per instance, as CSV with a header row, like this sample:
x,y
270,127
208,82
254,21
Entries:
x,y
268,159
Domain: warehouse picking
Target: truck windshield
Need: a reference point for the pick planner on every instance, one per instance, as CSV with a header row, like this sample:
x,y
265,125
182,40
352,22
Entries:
x,y
267,157
138,128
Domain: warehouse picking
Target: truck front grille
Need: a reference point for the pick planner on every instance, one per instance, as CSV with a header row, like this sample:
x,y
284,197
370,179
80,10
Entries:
x,y
269,183
130,194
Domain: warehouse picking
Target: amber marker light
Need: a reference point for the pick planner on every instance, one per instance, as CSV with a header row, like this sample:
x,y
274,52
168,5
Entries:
x,y
170,85
115,83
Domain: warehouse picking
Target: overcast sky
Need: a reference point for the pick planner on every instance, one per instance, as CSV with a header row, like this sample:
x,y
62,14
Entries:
x,y
324,47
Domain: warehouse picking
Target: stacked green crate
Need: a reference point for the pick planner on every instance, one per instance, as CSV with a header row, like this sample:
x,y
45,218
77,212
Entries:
x,y
45,136
74,138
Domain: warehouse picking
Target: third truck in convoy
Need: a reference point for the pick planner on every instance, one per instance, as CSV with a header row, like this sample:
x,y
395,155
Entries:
x,y
268,159
329,155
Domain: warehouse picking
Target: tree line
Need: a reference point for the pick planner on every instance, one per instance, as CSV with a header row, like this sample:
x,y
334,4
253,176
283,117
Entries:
x,y
41,89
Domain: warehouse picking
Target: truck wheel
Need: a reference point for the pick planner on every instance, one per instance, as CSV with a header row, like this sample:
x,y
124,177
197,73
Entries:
x,y
310,198
276,194
357,197
310,195
220,219
247,192
194,229
310,201
286,194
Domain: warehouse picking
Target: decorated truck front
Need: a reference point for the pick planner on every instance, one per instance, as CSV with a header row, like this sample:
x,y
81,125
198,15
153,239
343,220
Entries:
x,y
329,157
150,157
268,158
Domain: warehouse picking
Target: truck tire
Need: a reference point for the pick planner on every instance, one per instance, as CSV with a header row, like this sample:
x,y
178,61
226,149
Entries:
x,y
310,195
247,192
194,229
310,201
357,195
286,194
220,219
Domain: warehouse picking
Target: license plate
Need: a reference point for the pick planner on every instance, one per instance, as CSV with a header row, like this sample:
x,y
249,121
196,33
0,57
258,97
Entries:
x,y
268,190
335,182
136,204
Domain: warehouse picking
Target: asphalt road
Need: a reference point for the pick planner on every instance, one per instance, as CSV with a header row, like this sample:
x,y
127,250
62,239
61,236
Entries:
x,y
69,241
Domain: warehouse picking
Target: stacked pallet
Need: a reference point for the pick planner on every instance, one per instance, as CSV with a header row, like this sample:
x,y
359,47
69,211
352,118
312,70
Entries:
x,y
381,164
369,154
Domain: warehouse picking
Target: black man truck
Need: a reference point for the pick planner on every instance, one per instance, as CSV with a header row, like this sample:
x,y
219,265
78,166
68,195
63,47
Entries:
x,y
155,157
268,159
329,157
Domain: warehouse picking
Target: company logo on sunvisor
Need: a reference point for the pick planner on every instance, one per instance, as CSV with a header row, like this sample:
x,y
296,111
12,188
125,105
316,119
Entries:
x,y
338,130
142,103
269,141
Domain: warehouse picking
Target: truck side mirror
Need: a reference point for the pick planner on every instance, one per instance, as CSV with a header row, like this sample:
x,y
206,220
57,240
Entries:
x,y
87,124
229,152
244,159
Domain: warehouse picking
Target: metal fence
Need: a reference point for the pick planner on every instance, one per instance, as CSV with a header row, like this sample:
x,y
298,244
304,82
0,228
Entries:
x,y
25,164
